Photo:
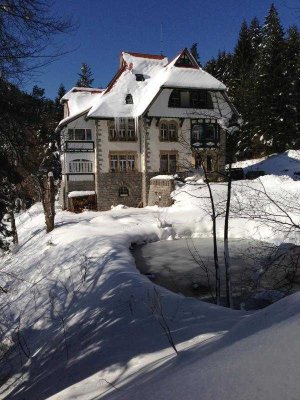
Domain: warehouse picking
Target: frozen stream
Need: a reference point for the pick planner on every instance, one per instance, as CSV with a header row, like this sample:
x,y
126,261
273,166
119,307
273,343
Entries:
x,y
186,266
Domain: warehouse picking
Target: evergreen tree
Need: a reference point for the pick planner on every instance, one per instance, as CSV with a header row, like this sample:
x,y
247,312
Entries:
x,y
58,106
242,88
221,68
292,75
85,76
255,33
270,86
195,54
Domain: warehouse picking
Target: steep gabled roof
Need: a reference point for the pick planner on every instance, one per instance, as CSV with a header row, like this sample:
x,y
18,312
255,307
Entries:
x,y
182,72
142,76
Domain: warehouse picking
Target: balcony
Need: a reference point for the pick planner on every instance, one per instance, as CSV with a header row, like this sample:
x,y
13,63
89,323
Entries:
x,y
79,146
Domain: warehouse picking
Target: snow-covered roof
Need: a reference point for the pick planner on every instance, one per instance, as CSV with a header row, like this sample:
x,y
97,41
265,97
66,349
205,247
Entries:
x,y
79,100
81,193
156,73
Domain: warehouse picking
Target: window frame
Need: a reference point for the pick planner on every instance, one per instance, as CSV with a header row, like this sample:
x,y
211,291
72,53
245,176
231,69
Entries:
x,y
87,133
205,124
80,166
165,131
123,191
168,156
122,161
201,97
126,133
129,99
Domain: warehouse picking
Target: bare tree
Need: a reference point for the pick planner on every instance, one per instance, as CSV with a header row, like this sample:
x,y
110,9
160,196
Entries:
x,y
29,36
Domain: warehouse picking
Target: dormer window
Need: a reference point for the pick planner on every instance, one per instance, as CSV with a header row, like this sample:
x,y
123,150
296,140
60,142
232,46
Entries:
x,y
139,77
129,99
199,98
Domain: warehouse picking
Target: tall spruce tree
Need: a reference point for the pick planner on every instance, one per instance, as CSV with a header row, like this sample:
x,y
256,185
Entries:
x,y
242,88
270,87
85,76
292,75
221,67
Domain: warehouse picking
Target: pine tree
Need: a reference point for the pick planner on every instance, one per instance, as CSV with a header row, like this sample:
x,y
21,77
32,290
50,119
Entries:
x,y
195,54
58,106
85,76
292,75
270,86
221,68
242,88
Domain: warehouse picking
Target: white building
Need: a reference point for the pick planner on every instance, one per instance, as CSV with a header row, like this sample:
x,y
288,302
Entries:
x,y
155,117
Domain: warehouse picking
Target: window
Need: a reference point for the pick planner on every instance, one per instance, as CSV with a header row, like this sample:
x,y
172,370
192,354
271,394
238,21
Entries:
x,y
204,133
129,99
80,166
122,162
190,99
184,61
168,162
139,77
123,191
209,164
168,131
197,133
125,131
210,132
79,134
174,100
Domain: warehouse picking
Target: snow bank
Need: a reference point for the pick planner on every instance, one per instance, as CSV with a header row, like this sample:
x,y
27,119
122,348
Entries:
x,y
88,321
286,163
257,359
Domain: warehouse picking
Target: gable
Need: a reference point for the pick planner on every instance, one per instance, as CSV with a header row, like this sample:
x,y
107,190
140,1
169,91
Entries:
x,y
186,60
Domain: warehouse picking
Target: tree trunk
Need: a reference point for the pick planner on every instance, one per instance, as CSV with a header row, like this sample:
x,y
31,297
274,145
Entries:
x,y
13,226
226,244
214,221
48,201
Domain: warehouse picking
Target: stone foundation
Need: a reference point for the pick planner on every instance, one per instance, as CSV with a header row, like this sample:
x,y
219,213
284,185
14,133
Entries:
x,y
109,187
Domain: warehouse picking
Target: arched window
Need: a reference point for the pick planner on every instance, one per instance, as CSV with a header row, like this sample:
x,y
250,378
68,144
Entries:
x,y
80,166
168,131
172,131
123,191
163,131
129,99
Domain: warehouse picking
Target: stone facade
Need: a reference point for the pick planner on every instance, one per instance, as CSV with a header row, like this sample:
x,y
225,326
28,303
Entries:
x,y
110,190
160,192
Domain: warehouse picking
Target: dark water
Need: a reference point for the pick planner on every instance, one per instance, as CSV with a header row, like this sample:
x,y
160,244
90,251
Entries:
x,y
187,266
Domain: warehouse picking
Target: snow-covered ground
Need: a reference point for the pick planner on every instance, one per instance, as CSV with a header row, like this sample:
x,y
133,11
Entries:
x,y
87,325
286,163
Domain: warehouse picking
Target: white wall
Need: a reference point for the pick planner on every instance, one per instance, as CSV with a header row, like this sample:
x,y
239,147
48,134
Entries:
x,y
107,146
79,123
182,146
160,108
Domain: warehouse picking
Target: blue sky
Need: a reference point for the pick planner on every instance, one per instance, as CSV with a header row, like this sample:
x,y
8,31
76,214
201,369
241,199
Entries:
x,y
108,27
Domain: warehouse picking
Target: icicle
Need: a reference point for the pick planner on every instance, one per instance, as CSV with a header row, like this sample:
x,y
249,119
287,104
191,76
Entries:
x,y
117,123
136,125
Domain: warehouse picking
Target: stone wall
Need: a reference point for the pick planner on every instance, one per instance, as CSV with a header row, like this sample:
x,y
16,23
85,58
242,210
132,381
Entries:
x,y
160,192
109,185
